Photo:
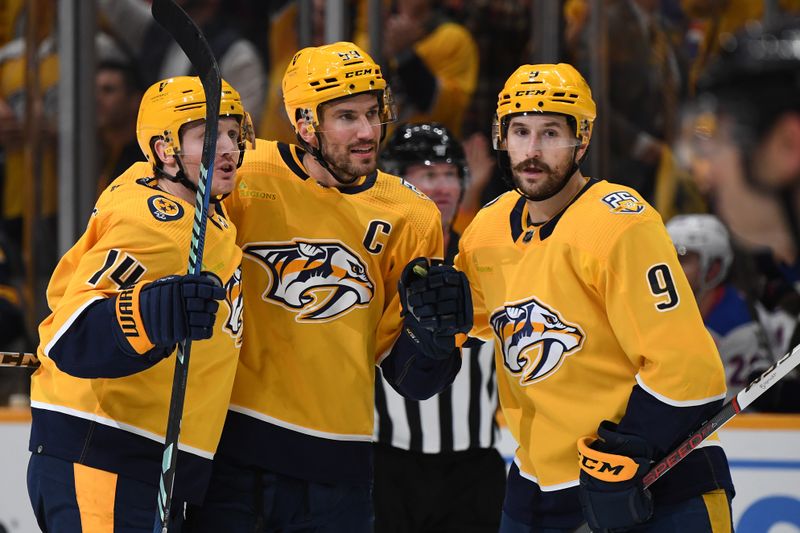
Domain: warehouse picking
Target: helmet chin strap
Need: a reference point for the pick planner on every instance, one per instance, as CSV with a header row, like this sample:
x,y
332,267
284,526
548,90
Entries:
x,y
181,179
316,153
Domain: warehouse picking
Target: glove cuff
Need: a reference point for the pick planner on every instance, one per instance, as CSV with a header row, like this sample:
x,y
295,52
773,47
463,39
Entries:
x,y
129,319
603,466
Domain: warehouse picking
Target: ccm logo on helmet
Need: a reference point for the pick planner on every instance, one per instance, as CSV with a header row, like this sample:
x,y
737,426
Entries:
x,y
535,92
601,466
358,73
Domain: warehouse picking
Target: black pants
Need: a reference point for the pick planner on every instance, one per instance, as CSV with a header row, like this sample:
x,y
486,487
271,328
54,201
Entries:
x,y
242,499
437,493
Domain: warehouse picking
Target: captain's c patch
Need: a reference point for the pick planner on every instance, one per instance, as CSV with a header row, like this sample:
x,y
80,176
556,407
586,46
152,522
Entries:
x,y
623,203
164,209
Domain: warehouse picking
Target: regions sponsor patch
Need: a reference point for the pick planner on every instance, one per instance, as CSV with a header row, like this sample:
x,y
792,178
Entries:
x,y
164,209
246,192
624,203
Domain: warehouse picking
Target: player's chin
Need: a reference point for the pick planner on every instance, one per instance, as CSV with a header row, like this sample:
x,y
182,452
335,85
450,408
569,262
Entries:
x,y
364,166
223,184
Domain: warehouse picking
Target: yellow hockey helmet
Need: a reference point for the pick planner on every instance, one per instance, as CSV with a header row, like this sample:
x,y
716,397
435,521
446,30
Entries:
x,y
324,73
546,88
169,104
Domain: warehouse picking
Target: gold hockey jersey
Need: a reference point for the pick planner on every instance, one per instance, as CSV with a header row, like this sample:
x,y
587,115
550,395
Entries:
x,y
585,309
137,233
320,273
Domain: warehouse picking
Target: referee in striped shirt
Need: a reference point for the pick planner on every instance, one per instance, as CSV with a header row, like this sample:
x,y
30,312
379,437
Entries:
x,y
436,468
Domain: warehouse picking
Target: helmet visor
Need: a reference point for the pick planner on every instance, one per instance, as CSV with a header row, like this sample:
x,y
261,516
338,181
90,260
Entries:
x,y
337,117
230,140
514,137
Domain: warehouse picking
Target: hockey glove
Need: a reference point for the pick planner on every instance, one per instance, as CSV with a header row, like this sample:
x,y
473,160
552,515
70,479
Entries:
x,y
167,311
612,468
436,305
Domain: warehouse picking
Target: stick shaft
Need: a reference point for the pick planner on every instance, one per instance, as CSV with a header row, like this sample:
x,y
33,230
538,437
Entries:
x,y
745,397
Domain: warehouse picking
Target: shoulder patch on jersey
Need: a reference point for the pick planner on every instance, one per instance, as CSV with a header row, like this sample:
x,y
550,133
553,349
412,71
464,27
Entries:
x,y
317,280
164,209
419,193
623,203
534,339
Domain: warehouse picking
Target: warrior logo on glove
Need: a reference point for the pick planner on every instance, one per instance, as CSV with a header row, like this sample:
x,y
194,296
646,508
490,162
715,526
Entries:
x,y
535,340
318,280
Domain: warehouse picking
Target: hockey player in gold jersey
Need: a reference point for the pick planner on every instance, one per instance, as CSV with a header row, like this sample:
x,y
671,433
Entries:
x,y
600,348
326,239
120,303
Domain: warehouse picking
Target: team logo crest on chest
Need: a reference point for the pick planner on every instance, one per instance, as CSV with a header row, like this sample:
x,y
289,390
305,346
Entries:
x,y
534,339
319,281
623,203
164,209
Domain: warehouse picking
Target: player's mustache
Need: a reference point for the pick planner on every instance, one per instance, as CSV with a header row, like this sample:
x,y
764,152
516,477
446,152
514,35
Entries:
x,y
532,162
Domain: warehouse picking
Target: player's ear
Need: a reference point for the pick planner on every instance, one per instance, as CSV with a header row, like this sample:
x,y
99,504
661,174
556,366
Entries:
x,y
160,149
306,132
580,151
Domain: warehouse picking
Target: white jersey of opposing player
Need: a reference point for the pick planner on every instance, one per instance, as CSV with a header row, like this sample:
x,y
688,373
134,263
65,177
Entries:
x,y
746,345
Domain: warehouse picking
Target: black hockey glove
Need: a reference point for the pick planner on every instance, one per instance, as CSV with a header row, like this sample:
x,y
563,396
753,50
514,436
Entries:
x,y
612,494
437,305
167,311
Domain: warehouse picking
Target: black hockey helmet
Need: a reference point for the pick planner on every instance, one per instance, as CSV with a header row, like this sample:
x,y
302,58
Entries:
x,y
424,143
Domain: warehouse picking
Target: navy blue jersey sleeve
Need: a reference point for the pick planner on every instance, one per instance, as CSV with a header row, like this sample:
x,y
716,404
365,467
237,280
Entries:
x,y
663,425
92,346
415,375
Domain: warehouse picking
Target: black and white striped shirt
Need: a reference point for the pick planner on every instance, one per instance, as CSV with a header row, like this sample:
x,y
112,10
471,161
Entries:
x,y
459,418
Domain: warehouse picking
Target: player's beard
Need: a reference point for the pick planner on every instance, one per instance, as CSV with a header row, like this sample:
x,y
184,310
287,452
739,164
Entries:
x,y
555,181
345,170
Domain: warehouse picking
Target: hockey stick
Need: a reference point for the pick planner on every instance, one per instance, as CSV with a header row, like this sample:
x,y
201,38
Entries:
x,y
743,398
175,20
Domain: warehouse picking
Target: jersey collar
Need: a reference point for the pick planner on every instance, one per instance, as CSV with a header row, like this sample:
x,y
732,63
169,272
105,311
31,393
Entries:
x,y
519,214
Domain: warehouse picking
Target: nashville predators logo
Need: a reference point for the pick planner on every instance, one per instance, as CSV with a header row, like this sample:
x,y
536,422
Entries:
x,y
623,203
233,297
317,280
164,209
534,339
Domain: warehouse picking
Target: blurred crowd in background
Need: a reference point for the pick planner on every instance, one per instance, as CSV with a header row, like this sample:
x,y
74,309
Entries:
x,y
446,61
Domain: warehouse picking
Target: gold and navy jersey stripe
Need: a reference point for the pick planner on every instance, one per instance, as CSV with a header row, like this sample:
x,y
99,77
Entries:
x,y
320,273
583,311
